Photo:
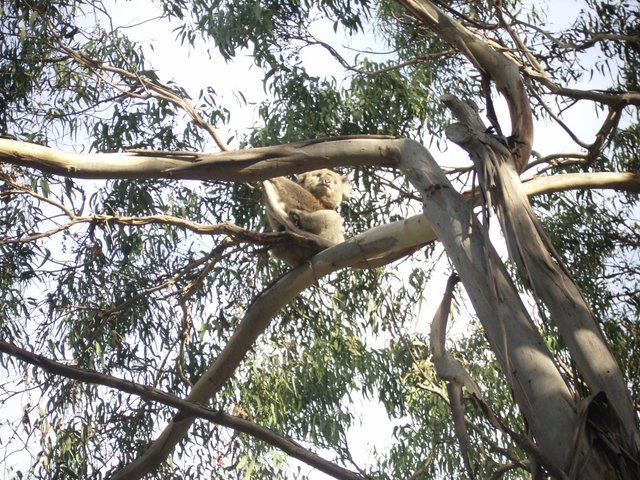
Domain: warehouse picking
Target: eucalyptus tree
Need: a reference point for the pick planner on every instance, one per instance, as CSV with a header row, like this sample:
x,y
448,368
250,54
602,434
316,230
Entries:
x,y
148,331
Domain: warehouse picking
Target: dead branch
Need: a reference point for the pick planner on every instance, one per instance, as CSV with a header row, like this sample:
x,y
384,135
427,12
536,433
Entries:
x,y
451,371
312,40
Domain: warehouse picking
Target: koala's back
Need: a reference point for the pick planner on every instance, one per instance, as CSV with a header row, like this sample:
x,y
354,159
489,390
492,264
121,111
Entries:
x,y
295,196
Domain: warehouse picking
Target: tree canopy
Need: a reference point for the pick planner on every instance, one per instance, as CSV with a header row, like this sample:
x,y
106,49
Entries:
x,y
147,330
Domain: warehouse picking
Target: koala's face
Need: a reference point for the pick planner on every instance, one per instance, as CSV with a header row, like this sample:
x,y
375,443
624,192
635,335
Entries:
x,y
327,186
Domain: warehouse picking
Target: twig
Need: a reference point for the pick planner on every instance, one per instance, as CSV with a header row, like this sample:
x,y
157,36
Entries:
x,y
153,89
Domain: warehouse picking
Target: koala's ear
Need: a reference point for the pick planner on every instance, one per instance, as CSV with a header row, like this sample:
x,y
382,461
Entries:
x,y
346,188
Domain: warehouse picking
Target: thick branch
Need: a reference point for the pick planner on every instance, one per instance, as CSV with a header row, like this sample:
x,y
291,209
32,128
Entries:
x,y
149,393
498,67
237,166
537,384
374,247
623,181
259,163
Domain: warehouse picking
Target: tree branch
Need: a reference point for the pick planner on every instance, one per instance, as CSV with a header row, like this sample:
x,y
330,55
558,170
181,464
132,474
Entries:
x,y
500,69
538,387
452,372
623,181
312,40
374,247
237,166
186,407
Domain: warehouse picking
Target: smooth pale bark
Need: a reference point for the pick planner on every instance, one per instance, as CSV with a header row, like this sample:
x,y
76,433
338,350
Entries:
x,y
385,243
237,166
539,389
623,181
262,163
498,169
391,242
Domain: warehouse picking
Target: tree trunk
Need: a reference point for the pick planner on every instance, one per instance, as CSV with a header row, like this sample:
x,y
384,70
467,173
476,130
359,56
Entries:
x,y
531,249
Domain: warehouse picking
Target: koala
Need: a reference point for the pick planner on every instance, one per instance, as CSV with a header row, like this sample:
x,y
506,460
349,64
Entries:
x,y
306,207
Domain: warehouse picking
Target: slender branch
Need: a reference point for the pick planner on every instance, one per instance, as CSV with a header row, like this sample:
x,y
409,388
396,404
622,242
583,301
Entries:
x,y
154,89
615,100
451,371
558,120
341,60
499,8
553,159
150,393
458,14
609,124
590,42
225,228
602,137
208,260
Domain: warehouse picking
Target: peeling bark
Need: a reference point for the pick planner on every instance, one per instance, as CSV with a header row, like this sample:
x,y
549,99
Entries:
x,y
531,249
489,62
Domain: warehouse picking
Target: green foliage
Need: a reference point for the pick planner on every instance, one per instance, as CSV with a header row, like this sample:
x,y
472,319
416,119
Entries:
x,y
267,28
386,103
617,18
156,303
